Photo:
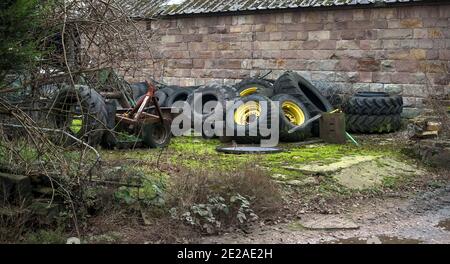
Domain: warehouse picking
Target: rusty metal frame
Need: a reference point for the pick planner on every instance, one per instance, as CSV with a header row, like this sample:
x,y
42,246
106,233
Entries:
x,y
137,114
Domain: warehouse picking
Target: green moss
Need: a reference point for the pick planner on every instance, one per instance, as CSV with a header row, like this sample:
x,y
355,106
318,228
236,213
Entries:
x,y
390,182
194,153
329,187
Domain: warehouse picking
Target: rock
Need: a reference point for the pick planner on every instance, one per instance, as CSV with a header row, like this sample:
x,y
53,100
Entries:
x,y
280,177
343,163
304,182
73,240
374,240
328,222
410,113
433,126
427,134
434,152
146,218
370,174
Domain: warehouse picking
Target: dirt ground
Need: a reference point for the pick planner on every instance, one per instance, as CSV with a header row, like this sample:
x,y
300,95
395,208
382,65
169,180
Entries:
x,y
332,194
374,193
421,218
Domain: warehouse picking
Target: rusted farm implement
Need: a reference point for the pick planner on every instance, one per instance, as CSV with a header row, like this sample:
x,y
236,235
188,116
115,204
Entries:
x,y
146,117
155,121
107,114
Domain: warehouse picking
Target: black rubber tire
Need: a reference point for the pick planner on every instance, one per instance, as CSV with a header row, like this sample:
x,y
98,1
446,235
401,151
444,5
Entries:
x,y
138,89
109,139
161,96
371,103
373,123
95,115
293,84
156,135
177,96
264,117
286,125
207,93
193,88
263,87
169,90
331,91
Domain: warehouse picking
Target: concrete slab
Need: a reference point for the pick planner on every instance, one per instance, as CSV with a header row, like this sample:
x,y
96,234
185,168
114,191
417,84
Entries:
x,y
341,164
372,173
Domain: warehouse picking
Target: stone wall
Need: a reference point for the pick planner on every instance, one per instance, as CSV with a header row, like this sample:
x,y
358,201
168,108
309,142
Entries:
x,y
397,50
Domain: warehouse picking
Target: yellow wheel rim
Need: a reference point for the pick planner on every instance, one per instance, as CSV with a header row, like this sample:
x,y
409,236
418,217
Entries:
x,y
76,124
244,112
293,113
248,91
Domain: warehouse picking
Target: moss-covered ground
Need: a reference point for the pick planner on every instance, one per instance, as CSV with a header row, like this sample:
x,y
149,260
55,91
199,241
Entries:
x,y
195,153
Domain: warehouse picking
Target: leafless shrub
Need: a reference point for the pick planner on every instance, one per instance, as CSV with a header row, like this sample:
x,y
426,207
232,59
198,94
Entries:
x,y
77,38
12,222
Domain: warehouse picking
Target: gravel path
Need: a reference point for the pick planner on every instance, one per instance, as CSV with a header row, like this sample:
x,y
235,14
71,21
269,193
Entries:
x,y
421,219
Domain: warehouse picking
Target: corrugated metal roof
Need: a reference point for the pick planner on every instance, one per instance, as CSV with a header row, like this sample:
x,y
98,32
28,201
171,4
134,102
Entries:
x,y
218,6
143,8
154,8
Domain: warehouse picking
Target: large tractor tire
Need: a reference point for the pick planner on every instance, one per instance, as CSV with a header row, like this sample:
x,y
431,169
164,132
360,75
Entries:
x,y
169,90
213,94
293,84
245,119
292,114
156,135
82,112
109,139
161,97
252,85
373,123
179,95
374,103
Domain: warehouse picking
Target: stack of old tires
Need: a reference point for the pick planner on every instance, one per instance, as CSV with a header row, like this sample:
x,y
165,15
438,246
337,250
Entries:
x,y
373,112
298,100
208,103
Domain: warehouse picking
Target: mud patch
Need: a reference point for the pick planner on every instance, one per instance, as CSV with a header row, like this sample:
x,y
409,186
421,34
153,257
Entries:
x,y
376,240
444,224
374,173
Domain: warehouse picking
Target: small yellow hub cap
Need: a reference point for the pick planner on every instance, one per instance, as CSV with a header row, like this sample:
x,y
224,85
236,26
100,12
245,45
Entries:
x,y
76,124
244,113
248,91
293,113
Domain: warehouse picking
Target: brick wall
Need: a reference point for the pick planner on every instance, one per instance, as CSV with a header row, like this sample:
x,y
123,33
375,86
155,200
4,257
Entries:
x,y
379,49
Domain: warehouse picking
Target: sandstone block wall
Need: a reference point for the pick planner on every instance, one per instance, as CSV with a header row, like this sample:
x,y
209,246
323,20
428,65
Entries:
x,y
398,50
